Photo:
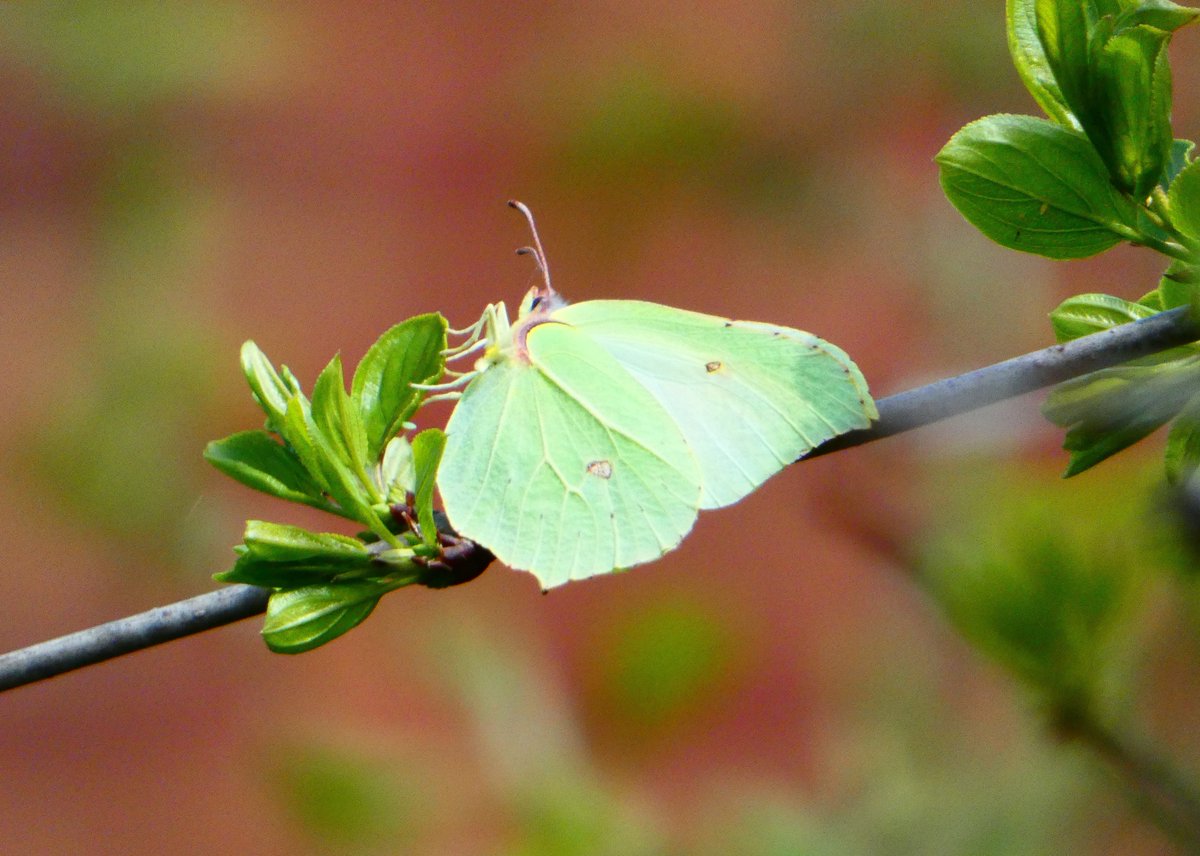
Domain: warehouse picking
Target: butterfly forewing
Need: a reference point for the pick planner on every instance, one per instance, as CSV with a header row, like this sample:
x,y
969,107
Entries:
x,y
565,465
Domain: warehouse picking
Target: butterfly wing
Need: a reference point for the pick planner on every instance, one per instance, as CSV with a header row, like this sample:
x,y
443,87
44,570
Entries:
x,y
749,398
565,465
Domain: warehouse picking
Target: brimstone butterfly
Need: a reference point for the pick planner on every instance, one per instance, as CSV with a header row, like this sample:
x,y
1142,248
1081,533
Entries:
x,y
590,435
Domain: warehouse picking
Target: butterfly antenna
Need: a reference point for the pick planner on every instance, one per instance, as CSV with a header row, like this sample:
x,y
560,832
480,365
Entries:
x,y
536,250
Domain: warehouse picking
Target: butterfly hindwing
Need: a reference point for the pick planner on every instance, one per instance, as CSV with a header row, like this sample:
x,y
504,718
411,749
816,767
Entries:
x,y
749,398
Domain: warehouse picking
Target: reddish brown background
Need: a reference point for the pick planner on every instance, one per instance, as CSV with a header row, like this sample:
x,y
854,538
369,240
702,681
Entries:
x,y
305,174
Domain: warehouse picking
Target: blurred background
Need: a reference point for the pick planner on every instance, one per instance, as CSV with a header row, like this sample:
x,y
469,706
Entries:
x,y
177,178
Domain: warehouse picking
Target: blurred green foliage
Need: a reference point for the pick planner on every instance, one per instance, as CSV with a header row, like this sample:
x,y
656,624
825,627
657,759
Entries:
x,y
638,131
119,58
896,778
1047,583
660,663
578,816
912,790
345,799
112,441
116,443
947,43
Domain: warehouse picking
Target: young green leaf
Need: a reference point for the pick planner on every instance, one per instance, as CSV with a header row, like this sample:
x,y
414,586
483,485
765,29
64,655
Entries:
x,y
257,460
297,416
1029,57
408,353
1179,286
301,619
1180,157
1035,186
339,421
1152,300
253,571
274,555
1131,79
1111,409
270,390
397,477
1064,31
1184,200
324,459
427,454
1160,14
287,557
279,542
1183,444
1090,313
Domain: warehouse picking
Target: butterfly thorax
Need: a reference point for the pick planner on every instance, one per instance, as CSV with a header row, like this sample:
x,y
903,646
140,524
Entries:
x,y
509,340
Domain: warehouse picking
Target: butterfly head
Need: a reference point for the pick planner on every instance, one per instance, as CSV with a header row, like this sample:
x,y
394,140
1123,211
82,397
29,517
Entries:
x,y
539,302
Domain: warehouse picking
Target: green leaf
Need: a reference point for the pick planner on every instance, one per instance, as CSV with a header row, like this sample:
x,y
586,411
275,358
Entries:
x,y
1111,409
322,458
1090,313
1152,300
1180,157
274,555
1032,185
427,454
1184,200
1064,30
338,420
1131,79
279,542
1183,445
294,428
1029,57
1160,14
301,619
410,352
270,390
340,443
253,571
278,556
1179,286
257,460
397,477
290,380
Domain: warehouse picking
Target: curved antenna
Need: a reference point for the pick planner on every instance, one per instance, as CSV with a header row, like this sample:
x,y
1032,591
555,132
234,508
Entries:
x,y
536,250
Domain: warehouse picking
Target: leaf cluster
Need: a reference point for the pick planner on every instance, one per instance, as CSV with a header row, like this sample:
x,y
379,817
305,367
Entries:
x,y
1102,169
1046,586
346,453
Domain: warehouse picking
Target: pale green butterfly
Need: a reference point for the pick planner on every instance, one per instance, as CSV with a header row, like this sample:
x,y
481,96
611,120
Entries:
x,y
590,435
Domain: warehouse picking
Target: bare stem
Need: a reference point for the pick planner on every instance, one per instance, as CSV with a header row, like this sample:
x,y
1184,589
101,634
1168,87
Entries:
x,y
126,635
1162,792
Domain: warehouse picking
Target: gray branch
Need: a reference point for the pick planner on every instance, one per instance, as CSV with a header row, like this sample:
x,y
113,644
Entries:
x,y
897,413
126,635
1000,381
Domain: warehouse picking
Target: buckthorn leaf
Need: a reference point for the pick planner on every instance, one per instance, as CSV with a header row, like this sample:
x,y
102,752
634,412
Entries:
x,y
1033,185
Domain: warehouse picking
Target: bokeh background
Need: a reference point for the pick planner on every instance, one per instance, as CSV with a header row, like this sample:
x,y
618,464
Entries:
x,y
177,178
